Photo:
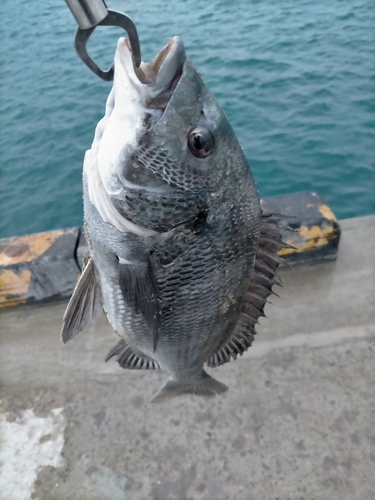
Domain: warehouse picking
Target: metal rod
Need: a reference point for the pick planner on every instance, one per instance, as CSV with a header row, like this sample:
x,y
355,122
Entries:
x,y
87,13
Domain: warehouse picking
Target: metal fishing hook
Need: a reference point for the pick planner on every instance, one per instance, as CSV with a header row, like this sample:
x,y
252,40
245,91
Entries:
x,y
92,13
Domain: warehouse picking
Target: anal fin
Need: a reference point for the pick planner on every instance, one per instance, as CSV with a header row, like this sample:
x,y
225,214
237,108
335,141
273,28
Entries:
x,y
128,358
85,304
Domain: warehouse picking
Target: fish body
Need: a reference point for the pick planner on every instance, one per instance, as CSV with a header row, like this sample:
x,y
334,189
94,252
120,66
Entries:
x,y
181,257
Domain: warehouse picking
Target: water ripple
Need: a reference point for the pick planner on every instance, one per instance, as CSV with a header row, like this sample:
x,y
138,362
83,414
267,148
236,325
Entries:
x,y
296,79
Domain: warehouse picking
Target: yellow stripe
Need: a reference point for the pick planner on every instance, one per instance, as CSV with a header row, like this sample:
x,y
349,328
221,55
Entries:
x,y
11,302
308,238
324,210
14,284
28,248
327,212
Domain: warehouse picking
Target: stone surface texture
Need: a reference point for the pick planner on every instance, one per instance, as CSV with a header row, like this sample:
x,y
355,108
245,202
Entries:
x,y
298,421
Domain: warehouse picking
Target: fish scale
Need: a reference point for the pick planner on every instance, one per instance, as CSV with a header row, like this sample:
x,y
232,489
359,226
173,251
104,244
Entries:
x,y
181,257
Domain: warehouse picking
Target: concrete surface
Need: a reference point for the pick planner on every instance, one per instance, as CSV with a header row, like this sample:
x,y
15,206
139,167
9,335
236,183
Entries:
x,y
298,421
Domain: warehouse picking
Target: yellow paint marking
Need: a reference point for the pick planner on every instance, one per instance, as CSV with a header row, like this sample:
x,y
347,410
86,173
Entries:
x,y
327,212
14,284
28,248
308,239
324,210
11,302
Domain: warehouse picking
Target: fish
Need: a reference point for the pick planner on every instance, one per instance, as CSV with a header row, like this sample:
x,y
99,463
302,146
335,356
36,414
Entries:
x,y
181,257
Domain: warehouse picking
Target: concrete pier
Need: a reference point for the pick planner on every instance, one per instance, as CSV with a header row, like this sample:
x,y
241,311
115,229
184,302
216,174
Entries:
x,y
298,421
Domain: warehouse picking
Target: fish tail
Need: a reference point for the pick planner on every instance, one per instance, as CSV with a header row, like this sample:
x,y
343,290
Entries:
x,y
205,385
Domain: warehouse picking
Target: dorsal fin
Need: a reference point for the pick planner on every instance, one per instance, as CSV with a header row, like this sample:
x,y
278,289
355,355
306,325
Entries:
x,y
260,287
128,358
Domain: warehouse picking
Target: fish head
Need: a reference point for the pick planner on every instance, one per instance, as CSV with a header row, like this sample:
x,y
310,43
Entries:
x,y
196,134
163,115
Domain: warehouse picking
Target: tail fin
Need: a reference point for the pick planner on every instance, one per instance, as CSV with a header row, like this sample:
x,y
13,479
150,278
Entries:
x,y
203,386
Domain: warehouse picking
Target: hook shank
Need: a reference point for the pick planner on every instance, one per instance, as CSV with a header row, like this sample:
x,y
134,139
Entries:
x,y
112,19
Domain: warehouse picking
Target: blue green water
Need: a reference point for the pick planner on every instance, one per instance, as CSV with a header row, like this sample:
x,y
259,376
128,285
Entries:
x,y
296,79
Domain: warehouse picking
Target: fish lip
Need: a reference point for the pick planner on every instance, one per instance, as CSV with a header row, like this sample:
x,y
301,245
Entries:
x,y
158,77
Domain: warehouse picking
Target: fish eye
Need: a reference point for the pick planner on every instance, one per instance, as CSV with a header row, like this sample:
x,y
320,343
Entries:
x,y
201,142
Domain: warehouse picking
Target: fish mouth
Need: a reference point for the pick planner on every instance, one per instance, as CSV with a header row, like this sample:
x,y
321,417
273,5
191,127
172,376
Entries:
x,y
156,80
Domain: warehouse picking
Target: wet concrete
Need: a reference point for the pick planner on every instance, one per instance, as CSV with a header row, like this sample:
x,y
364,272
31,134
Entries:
x,y
296,423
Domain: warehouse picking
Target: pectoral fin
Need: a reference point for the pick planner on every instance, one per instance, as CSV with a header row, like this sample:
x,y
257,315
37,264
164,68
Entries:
x,y
140,290
85,304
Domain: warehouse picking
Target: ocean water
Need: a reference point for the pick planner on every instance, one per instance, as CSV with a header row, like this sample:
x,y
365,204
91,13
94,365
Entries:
x,y
296,79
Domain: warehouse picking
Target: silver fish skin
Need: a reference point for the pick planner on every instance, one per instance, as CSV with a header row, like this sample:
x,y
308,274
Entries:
x,y
181,257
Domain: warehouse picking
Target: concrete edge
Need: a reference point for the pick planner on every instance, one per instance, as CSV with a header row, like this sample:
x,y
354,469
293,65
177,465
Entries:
x,y
45,267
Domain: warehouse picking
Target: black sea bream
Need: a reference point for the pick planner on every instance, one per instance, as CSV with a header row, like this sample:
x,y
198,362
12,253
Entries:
x,y
181,257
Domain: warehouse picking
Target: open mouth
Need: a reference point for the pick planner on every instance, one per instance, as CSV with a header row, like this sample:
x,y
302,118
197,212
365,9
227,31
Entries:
x,y
158,79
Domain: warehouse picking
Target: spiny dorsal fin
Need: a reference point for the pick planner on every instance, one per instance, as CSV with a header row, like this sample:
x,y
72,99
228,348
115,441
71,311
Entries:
x,y
260,288
85,304
127,358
